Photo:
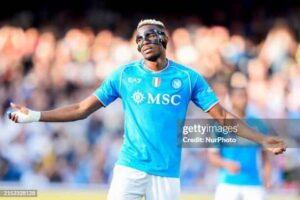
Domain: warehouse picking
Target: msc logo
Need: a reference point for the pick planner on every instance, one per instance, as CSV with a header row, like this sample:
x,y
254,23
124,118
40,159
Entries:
x,y
138,97
158,99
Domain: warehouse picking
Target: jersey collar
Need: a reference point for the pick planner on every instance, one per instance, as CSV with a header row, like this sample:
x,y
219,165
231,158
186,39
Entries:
x,y
152,71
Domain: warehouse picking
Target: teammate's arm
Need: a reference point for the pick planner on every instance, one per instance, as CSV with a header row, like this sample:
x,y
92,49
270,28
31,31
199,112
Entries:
x,y
71,112
225,118
267,169
216,159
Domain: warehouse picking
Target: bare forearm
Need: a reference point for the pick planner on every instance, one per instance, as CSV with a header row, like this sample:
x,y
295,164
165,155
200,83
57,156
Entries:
x,y
226,118
267,167
244,130
64,114
216,160
68,113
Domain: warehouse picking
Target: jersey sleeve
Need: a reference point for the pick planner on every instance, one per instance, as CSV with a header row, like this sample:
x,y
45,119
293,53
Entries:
x,y
201,93
110,88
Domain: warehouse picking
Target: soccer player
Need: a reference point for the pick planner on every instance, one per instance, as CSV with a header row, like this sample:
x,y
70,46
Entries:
x,y
240,174
155,92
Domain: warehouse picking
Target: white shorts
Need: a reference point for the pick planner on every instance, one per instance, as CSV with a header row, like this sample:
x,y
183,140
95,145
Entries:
x,y
131,184
237,192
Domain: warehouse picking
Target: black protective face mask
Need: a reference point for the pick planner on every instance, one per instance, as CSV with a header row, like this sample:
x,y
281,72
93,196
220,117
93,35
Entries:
x,y
153,36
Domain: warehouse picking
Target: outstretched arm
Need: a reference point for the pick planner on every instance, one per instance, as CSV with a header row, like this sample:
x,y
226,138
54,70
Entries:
x,y
71,112
225,118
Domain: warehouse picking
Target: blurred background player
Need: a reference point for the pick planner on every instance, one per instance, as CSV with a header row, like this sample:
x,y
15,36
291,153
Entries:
x,y
245,170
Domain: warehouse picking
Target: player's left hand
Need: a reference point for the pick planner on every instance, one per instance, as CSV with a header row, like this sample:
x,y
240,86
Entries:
x,y
274,144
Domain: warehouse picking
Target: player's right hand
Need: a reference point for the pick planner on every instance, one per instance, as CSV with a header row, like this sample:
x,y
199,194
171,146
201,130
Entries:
x,y
19,110
232,167
23,114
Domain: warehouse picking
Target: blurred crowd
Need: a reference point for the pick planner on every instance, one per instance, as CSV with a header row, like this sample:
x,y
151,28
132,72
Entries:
x,y
42,69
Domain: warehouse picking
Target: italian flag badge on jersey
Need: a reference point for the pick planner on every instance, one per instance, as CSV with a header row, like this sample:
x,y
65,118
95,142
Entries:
x,y
156,82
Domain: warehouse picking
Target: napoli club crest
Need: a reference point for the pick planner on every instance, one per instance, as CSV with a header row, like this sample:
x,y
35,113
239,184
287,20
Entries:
x,y
176,83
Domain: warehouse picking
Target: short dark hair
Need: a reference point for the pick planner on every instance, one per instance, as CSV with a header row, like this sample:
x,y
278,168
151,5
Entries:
x,y
151,22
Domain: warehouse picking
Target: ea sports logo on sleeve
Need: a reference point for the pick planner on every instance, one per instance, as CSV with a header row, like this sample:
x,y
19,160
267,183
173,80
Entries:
x,y
176,83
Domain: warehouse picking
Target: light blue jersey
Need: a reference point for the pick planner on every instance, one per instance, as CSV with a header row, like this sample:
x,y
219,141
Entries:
x,y
248,155
153,103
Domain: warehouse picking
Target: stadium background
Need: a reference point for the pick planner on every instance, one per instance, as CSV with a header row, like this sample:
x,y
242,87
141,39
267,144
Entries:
x,y
57,52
